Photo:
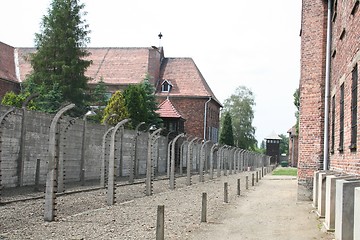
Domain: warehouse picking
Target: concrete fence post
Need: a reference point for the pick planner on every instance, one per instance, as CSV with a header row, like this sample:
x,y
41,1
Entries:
x,y
168,159
150,162
37,175
219,160
160,222
226,193
182,157
51,184
111,178
103,158
2,118
202,161
204,207
247,182
172,165
189,162
212,150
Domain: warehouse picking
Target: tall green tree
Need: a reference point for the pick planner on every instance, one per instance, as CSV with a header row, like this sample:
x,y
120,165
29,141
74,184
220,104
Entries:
x,y
99,98
115,110
135,104
59,63
240,106
227,135
284,144
297,105
141,103
150,102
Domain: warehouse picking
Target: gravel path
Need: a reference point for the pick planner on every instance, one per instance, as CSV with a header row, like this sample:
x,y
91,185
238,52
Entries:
x,y
86,216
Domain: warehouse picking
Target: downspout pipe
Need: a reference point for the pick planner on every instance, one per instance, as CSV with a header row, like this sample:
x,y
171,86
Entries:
x,y
205,117
327,86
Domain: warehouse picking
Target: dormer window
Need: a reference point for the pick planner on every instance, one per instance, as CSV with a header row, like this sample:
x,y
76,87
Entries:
x,y
166,86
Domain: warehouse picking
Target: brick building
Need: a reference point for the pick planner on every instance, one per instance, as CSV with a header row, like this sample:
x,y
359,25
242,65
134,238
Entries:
x,y
328,133
176,79
8,78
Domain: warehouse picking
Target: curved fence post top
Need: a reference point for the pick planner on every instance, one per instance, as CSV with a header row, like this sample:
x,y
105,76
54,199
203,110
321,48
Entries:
x,y
156,132
2,117
28,99
214,147
119,124
177,137
204,144
138,126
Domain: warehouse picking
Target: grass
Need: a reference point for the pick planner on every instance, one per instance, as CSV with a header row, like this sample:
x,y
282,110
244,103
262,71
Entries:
x,y
285,171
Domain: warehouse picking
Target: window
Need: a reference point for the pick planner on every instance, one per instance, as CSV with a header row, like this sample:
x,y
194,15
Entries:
x,y
355,8
341,133
334,11
166,86
354,108
332,124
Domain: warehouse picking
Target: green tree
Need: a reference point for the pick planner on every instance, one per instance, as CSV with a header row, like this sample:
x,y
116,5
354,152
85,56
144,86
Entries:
x,y
135,104
284,144
297,105
227,136
141,103
116,109
150,102
59,63
13,99
16,100
99,99
240,106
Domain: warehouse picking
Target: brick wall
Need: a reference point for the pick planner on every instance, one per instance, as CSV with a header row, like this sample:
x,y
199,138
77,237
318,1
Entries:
x,y
313,46
193,109
345,55
6,86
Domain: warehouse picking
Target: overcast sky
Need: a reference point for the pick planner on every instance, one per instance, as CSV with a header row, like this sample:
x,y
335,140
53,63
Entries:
x,y
234,43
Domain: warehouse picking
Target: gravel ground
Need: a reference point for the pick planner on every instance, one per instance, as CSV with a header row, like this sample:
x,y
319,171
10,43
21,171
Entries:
x,y
85,215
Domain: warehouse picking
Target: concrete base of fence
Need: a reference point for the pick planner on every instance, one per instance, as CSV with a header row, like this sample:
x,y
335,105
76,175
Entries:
x,y
321,194
357,213
344,210
330,201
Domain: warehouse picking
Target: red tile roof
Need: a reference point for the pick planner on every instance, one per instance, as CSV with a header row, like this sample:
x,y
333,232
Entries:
x,y
118,65
123,66
185,77
167,110
7,63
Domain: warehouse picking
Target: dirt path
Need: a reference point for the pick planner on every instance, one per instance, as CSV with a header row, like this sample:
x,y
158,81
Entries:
x,y
267,211
270,211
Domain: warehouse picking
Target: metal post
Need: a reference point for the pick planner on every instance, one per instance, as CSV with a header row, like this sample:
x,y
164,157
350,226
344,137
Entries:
x,y
238,187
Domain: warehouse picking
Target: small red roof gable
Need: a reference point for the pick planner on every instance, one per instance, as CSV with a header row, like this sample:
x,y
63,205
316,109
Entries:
x,y
167,110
